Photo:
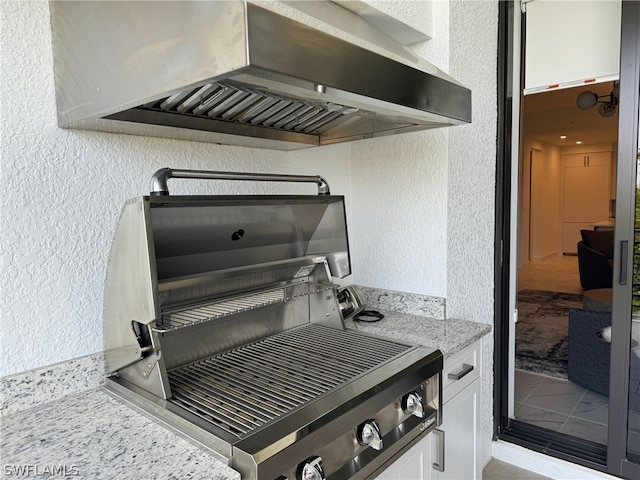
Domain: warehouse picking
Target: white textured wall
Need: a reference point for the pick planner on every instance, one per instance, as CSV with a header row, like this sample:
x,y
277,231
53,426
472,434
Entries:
x,y
398,226
471,182
399,187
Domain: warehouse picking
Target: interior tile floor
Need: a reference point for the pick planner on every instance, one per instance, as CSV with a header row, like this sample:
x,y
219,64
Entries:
x,y
557,273
561,406
553,403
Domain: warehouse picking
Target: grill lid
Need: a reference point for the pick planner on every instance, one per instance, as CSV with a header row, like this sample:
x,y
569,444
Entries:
x,y
196,235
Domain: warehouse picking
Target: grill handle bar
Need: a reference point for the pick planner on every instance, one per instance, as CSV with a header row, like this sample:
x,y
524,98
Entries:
x,y
159,179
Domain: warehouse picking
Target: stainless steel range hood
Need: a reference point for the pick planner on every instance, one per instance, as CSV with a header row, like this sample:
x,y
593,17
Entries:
x,y
278,75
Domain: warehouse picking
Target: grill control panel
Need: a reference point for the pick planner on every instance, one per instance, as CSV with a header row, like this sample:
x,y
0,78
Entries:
x,y
373,443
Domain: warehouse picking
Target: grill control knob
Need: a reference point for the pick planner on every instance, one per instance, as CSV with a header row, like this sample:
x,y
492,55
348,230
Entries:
x,y
311,469
369,434
412,404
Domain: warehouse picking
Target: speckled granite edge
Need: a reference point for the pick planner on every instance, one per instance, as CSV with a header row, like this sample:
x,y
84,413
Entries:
x,y
403,302
449,336
43,385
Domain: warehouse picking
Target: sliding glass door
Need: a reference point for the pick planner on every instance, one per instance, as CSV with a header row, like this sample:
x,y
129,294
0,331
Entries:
x,y
615,356
624,417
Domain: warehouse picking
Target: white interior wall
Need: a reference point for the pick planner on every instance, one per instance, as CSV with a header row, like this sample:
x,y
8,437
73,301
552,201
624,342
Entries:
x,y
546,200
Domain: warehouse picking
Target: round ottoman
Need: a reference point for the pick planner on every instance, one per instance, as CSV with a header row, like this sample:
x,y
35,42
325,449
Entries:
x,y
598,300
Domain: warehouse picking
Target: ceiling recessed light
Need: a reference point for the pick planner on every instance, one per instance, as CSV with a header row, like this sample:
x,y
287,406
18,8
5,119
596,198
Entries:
x,y
563,137
578,142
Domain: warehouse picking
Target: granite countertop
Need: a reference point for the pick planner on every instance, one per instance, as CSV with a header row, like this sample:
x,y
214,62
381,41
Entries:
x,y
92,435
450,336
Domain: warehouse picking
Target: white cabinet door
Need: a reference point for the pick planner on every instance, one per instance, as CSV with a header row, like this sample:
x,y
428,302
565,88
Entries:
x,y
586,194
413,465
592,159
575,160
461,426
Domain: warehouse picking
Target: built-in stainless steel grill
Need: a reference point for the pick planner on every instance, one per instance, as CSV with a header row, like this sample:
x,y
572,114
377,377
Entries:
x,y
222,320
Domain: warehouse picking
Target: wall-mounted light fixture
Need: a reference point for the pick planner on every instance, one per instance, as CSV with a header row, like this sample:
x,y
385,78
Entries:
x,y
608,106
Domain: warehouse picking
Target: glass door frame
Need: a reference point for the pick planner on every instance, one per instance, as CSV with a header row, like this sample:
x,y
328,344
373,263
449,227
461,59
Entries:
x,y
629,110
612,459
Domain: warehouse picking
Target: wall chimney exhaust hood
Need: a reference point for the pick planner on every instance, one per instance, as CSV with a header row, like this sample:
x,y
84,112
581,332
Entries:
x,y
277,75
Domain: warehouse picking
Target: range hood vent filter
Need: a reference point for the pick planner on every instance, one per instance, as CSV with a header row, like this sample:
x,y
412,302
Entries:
x,y
252,106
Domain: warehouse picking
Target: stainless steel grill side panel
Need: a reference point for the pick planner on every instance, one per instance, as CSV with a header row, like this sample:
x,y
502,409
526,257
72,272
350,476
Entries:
x,y
130,285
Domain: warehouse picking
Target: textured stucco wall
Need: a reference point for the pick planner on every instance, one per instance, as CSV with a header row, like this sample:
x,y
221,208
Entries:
x,y
399,187
471,182
399,194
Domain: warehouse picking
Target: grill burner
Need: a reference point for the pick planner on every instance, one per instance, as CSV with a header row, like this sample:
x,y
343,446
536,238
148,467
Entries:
x,y
258,383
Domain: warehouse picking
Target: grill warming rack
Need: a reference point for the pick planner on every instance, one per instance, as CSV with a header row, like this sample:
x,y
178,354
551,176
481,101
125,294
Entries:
x,y
190,316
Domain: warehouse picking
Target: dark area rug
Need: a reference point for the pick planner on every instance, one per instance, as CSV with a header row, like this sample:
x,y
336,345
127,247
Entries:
x,y
542,329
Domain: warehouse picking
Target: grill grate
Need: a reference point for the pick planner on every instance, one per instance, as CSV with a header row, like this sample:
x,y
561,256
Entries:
x,y
246,388
251,106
